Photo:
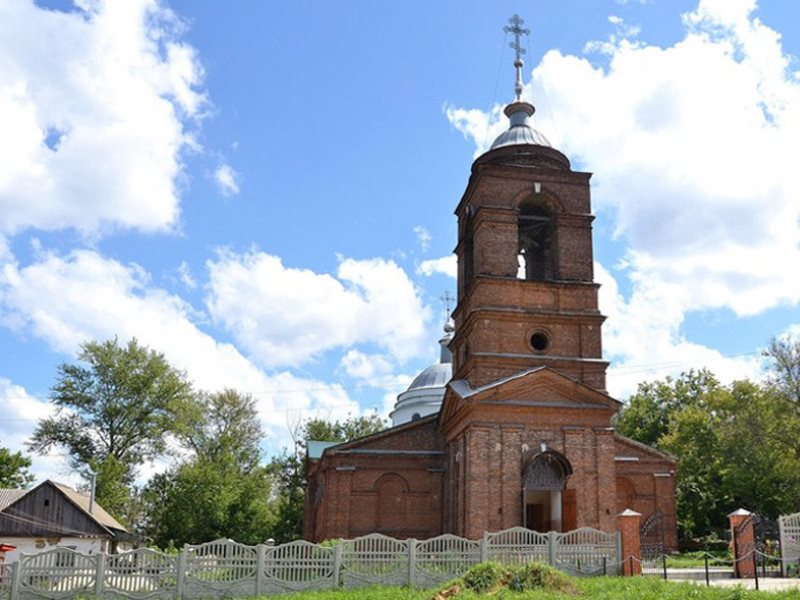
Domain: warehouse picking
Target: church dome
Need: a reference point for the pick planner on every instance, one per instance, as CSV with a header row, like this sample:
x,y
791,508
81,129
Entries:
x,y
425,394
520,135
434,376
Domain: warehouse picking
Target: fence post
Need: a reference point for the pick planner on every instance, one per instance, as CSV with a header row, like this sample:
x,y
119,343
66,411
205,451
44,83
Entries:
x,y
99,574
620,558
337,564
484,547
261,563
628,522
551,548
742,536
412,561
783,556
180,587
16,578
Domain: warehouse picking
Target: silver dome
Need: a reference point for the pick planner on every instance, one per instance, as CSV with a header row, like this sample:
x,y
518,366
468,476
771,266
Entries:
x,y
520,134
434,376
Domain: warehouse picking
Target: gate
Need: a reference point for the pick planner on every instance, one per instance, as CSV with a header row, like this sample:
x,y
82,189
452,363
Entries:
x,y
789,527
651,535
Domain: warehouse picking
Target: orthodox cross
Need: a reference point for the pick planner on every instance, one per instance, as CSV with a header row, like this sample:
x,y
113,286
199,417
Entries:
x,y
517,29
446,299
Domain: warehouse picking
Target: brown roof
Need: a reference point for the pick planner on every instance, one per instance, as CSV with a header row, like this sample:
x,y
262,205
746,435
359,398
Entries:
x,y
8,496
82,501
98,514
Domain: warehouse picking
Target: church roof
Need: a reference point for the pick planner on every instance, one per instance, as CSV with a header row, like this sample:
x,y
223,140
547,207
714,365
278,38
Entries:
x,y
518,135
434,376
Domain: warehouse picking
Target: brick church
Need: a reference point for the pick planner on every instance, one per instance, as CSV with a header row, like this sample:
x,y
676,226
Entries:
x,y
513,427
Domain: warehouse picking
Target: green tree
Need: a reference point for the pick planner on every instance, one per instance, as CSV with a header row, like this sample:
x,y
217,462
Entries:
x,y
14,471
784,369
114,412
288,470
735,445
222,490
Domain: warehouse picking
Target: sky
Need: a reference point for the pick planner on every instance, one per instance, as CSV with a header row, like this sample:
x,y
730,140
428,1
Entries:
x,y
264,191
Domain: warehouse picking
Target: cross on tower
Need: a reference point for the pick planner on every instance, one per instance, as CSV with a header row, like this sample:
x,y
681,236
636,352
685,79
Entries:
x,y
446,299
516,28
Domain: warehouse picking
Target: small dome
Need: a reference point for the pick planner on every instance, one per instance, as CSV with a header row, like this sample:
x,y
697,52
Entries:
x,y
434,376
520,134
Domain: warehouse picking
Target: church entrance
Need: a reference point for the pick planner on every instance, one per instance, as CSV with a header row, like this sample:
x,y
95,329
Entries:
x,y
547,504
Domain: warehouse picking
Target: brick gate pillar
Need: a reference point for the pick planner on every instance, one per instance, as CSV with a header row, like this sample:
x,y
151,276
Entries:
x,y
628,523
743,540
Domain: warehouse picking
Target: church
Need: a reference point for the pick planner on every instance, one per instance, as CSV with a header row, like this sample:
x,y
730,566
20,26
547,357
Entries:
x,y
513,427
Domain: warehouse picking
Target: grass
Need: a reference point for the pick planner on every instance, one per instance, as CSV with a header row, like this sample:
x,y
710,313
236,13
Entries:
x,y
598,588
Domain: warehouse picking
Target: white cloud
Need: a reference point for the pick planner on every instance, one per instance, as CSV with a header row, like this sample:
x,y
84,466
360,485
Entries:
x,y
705,135
184,273
446,265
424,237
365,366
95,120
21,411
227,180
99,298
288,316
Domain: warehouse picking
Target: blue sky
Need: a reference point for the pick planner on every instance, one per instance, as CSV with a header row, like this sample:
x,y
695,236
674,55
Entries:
x,y
264,191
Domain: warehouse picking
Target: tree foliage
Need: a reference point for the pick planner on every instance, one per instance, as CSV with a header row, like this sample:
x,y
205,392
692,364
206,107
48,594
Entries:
x,y
736,445
221,491
14,471
114,412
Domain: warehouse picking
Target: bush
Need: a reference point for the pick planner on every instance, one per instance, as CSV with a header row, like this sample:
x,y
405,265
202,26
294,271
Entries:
x,y
486,576
539,576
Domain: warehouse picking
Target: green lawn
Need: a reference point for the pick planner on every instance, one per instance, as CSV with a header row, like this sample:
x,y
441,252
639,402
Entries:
x,y
602,588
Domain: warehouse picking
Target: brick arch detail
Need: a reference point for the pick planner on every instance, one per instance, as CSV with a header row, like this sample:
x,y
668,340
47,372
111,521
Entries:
x,y
392,490
544,198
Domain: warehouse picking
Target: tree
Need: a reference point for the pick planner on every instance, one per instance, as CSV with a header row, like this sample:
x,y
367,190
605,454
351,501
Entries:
x,y
222,490
785,369
288,469
114,412
735,444
14,469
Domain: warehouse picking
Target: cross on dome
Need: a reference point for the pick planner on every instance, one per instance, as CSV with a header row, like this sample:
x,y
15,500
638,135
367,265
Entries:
x,y
517,29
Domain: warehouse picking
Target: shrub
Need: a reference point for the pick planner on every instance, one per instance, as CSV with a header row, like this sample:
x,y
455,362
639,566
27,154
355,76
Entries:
x,y
486,576
539,576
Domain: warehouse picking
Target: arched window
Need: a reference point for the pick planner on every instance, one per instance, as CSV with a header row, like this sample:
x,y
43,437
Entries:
x,y
535,232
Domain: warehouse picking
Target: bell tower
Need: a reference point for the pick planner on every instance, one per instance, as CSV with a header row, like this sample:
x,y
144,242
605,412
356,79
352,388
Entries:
x,y
526,295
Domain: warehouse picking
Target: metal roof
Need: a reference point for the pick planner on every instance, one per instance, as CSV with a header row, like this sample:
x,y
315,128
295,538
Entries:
x,y
434,376
520,135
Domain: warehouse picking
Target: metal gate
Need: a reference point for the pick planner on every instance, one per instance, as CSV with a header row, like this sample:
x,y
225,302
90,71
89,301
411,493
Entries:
x,y
652,536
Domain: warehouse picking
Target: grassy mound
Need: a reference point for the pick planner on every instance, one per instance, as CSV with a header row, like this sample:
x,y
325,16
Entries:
x,y
490,577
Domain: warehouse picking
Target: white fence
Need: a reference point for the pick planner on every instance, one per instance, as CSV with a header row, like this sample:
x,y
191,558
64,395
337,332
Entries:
x,y
789,526
226,569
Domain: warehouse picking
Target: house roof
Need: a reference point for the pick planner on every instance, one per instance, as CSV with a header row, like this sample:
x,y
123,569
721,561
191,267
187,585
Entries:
x,y
9,497
98,513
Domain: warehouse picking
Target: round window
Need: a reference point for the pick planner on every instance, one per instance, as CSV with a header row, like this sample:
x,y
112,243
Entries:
x,y
539,341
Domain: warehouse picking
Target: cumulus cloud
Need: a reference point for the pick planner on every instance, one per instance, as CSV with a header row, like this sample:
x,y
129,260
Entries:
x,y
359,365
705,134
227,180
99,298
446,265
288,316
21,411
95,120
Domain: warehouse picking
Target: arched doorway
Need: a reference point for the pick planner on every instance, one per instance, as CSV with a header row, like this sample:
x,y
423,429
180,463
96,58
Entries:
x,y
547,504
